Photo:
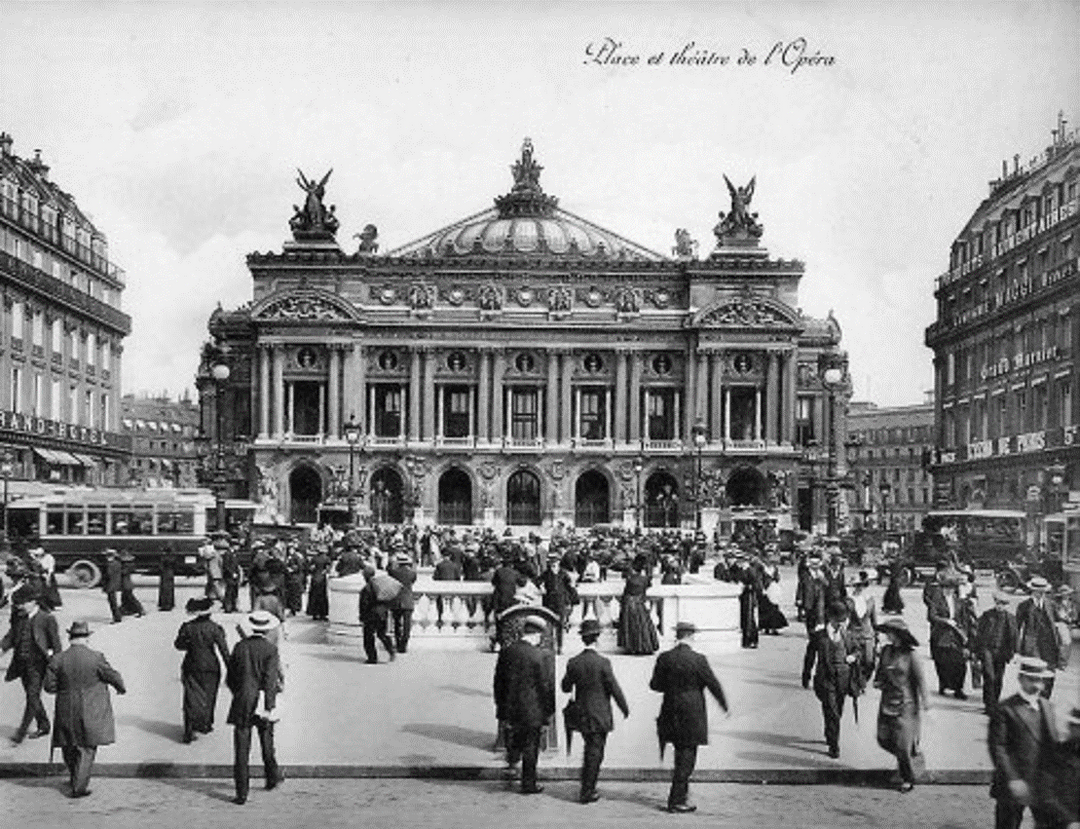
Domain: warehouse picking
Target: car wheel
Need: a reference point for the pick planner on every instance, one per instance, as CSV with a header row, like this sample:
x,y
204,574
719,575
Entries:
x,y
84,574
1008,580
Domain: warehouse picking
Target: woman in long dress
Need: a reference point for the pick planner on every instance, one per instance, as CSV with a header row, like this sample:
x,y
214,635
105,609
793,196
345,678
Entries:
x,y
637,633
863,620
202,640
771,616
318,603
903,697
167,580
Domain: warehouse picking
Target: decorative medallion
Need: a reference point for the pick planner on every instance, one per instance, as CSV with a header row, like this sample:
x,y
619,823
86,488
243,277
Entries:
x,y
388,360
421,296
386,294
662,364
524,296
593,297
525,362
592,363
490,297
560,298
626,301
742,363
661,298
455,296
456,361
307,357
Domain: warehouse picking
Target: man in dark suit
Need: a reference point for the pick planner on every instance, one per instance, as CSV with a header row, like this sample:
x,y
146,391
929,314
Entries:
x,y
1057,781
1036,634
590,678
80,678
560,595
446,569
838,651
253,670
403,605
524,691
112,583
34,637
995,643
682,675
375,617
1022,727
812,590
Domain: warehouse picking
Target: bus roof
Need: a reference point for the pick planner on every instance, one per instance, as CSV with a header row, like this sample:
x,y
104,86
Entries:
x,y
115,495
976,513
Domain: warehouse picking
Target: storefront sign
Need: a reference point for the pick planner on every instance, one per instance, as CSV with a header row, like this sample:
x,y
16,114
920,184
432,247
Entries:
x,y
980,449
50,428
1031,442
1019,361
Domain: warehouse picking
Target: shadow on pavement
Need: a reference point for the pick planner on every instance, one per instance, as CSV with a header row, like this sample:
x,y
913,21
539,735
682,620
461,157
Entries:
x,y
453,734
465,691
222,790
779,740
169,730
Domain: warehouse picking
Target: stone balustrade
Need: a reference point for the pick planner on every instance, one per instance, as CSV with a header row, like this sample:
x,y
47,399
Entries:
x,y
451,614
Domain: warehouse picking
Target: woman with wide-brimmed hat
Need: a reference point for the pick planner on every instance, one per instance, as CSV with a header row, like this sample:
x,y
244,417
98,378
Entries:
x,y
903,696
202,640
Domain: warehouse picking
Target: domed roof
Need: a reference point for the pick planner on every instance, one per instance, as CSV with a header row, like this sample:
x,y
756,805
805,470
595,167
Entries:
x,y
525,222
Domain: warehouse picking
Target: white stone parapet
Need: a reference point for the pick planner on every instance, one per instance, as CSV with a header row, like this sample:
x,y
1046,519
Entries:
x,y
712,606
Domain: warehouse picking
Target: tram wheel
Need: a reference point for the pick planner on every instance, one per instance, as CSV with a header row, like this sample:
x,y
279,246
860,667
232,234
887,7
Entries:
x,y
84,574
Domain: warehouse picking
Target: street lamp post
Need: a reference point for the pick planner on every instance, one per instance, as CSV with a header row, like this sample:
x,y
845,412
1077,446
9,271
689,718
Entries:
x,y
639,466
885,489
832,378
220,372
698,433
6,467
352,436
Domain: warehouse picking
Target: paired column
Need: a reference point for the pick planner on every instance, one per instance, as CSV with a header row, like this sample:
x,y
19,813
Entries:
x,y
333,426
789,398
278,359
414,393
717,385
483,414
430,403
567,360
265,354
635,396
356,386
620,397
689,389
772,397
498,394
551,413
701,387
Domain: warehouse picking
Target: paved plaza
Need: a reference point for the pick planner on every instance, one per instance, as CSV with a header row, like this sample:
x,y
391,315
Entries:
x,y
430,713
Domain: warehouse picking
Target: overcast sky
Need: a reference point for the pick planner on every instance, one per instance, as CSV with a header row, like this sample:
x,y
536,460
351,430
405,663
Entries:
x,y
179,127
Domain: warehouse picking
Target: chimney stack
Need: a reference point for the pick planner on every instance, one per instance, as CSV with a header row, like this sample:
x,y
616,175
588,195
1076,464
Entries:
x,y
5,144
39,166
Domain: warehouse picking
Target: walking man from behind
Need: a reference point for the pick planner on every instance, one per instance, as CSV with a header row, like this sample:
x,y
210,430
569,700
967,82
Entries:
x,y
525,699
590,678
35,638
112,583
83,719
682,675
253,675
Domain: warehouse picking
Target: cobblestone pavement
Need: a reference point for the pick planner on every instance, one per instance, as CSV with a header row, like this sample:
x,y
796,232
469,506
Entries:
x,y
127,804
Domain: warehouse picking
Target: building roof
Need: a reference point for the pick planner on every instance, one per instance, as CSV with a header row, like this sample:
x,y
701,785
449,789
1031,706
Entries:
x,y
526,222
32,175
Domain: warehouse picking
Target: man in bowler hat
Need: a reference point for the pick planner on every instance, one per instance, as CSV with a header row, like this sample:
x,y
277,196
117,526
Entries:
x,y
525,699
34,637
682,675
590,678
83,720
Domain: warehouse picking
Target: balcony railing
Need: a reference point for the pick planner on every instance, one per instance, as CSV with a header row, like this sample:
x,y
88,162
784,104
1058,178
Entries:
x,y
523,443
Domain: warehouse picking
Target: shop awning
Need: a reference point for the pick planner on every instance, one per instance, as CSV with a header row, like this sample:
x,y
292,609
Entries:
x,y
83,460
56,457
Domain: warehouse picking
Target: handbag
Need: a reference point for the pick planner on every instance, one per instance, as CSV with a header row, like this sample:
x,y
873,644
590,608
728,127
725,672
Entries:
x,y
571,721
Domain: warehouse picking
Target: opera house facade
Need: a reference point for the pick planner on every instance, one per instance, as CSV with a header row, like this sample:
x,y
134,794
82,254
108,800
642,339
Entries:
x,y
525,366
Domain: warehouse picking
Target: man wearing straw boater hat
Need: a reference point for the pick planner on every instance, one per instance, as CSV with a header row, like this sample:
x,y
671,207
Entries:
x,y
590,678
80,678
253,675
1057,781
1021,728
1036,634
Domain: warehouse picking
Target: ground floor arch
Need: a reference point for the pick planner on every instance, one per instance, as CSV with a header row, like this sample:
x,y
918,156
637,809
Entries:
x,y
387,496
305,493
592,499
747,487
523,498
455,497
661,500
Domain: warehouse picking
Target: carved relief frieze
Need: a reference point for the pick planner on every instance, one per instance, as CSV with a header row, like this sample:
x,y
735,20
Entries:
x,y
384,294
304,309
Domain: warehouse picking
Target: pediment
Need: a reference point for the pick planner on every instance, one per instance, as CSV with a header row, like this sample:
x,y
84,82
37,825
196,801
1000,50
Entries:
x,y
304,305
747,312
